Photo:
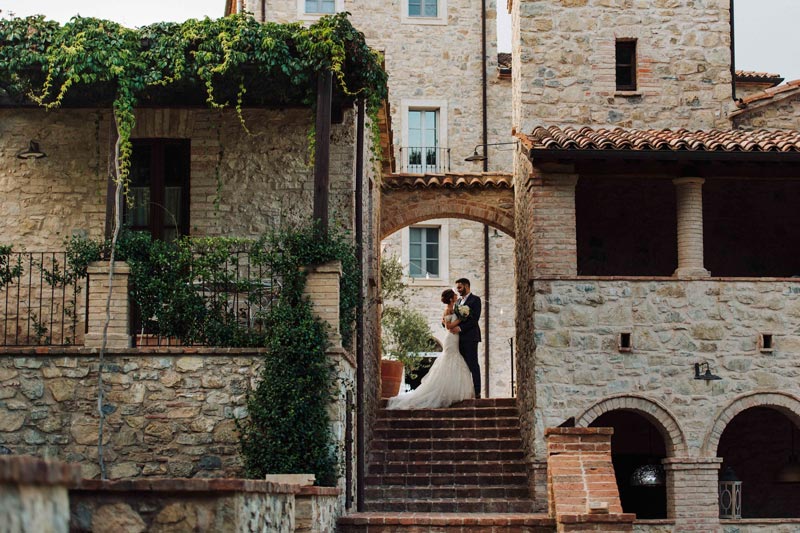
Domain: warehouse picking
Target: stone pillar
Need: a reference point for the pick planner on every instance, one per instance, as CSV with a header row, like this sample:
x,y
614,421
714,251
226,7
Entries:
x,y
692,493
555,249
33,494
119,327
322,288
690,228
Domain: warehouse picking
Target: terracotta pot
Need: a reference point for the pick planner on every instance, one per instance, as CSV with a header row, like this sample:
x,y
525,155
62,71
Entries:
x,y
391,377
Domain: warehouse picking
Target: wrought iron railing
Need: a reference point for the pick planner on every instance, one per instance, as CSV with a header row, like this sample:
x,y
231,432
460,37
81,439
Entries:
x,y
228,297
39,299
424,159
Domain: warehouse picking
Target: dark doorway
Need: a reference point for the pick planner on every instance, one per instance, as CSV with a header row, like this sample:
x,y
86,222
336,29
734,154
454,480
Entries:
x,y
757,445
159,188
636,442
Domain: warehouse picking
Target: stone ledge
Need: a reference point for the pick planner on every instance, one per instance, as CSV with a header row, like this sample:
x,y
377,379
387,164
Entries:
x,y
27,470
174,485
758,521
622,518
318,491
579,431
644,279
148,350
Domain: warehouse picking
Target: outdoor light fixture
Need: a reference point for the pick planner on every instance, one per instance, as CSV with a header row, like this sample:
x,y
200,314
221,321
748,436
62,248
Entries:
x,y
730,495
649,474
31,152
790,473
707,376
478,157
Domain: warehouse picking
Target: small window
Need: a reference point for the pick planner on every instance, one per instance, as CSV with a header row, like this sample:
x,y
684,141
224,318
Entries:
x,y
320,6
423,8
626,65
765,343
624,342
423,150
423,253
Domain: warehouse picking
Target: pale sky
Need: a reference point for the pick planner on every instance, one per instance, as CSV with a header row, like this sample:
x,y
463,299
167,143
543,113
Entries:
x,y
767,36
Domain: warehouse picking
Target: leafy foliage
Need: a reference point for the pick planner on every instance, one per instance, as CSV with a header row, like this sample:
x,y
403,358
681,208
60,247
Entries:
x,y
405,331
235,61
10,270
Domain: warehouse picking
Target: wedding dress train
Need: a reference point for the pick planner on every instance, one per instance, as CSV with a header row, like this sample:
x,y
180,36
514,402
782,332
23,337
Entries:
x,y
448,381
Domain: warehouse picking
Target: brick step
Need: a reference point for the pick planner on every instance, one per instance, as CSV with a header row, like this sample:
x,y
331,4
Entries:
x,y
452,492
483,402
457,444
458,478
445,423
445,523
464,505
447,467
451,412
446,433
444,456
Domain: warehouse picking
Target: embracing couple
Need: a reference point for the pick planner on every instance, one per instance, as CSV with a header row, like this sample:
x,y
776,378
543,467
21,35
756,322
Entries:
x,y
455,375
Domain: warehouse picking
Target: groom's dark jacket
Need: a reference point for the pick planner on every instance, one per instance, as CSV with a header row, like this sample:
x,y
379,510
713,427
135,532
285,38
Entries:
x,y
470,327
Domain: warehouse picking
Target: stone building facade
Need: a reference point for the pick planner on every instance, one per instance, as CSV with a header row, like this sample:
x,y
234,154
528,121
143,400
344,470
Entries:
x,y
643,266
427,58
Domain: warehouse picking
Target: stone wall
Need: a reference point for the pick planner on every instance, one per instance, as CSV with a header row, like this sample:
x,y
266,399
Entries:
x,y
241,184
780,114
564,63
466,259
673,324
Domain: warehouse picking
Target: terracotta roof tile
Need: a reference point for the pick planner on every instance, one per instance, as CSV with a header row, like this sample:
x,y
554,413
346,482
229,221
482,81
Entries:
x,y
749,76
555,138
787,89
450,180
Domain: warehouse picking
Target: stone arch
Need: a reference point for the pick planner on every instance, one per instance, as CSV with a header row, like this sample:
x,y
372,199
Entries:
x,y
653,411
410,199
785,403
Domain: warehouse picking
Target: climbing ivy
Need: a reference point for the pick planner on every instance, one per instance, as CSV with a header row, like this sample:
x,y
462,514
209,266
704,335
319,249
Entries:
x,y
234,61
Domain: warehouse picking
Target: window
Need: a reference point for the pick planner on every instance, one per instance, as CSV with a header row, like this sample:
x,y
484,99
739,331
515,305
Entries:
x,y
423,252
159,189
423,8
626,65
320,6
423,141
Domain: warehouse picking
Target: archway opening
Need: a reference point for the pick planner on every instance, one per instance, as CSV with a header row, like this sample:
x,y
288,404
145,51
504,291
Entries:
x,y
757,444
434,253
636,443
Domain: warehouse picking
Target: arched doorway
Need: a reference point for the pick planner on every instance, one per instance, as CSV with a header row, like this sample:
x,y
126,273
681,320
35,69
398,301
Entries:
x,y
757,445
637,443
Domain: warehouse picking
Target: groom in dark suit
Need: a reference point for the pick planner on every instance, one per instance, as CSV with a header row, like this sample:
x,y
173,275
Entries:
x,y
470,331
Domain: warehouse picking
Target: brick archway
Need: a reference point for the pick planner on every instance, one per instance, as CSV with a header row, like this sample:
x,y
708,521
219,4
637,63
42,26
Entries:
x,y
408,199
785,403
651,410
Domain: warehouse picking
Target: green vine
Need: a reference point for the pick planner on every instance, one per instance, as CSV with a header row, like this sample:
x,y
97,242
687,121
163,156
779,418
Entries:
x,y
234,61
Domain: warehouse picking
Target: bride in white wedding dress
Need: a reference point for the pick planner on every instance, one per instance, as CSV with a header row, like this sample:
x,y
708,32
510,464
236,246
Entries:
x,y
449,380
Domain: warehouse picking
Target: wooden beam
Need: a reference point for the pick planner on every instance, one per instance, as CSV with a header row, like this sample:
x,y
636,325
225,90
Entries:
x,y
322,150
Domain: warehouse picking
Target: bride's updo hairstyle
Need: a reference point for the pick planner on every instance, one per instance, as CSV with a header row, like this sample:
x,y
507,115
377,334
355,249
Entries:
x,y
447,295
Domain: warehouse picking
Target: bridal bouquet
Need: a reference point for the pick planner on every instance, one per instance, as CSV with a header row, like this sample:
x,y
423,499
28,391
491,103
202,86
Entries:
x,y
462,311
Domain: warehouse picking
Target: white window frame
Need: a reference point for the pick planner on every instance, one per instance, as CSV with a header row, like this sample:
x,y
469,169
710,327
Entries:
x,y
425,105
302,15
439,20
444,254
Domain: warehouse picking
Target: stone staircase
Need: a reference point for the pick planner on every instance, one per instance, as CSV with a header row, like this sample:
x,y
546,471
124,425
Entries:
x,y
448,470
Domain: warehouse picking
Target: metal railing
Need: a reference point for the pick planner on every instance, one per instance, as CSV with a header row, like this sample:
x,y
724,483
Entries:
x,y
231,294
424,159
39,303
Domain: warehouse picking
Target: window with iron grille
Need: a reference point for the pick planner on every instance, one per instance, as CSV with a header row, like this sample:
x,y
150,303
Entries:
x,y
626,65
423,140
320,6
423,252
423,8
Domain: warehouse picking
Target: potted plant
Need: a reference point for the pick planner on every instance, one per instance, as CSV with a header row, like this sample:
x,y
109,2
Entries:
x,y
405,332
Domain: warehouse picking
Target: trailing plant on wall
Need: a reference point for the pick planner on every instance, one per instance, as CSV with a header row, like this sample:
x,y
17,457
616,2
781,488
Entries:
x,y
233,61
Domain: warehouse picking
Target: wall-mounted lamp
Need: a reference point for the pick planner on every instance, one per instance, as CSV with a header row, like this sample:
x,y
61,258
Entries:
x,y
707,376
31,152
482,157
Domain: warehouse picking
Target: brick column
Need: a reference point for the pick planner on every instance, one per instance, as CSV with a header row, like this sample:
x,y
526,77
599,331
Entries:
x,y
322,288
690,227
555,250
118,329
692,493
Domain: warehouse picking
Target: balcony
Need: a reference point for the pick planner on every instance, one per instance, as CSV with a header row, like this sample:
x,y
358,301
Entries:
x,y
424,159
